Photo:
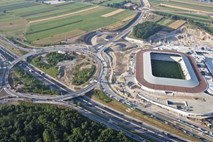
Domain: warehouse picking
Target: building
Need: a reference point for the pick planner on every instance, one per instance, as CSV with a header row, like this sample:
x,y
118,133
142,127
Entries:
x,y
168,71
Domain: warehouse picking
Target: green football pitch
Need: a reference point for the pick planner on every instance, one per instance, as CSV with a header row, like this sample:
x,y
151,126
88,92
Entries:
x,y
166,69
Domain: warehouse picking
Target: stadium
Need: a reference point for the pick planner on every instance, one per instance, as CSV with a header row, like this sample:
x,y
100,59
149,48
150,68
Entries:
x,y
168,71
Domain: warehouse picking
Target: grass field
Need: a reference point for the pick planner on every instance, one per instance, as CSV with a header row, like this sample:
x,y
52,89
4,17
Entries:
x,y
106,2
196,13
167,69
179,6
190,4
185,7
84,22
48,24
165,21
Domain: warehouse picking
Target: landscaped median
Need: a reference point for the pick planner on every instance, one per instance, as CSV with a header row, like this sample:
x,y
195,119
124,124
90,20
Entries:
x,y
74,69
23,82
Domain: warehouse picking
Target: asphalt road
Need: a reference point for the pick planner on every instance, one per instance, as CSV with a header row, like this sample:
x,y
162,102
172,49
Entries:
x,y
94,111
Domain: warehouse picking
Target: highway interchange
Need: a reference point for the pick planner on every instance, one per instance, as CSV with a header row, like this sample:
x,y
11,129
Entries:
x,y
89,108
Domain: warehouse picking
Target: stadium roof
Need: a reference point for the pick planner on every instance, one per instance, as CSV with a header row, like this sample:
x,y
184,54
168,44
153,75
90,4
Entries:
x,y
192,82
209,64
144,76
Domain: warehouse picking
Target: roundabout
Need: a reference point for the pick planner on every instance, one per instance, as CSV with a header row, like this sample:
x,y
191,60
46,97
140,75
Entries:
x,y
33,70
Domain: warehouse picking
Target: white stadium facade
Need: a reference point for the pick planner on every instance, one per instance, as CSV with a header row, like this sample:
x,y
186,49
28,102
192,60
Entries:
x,y
192,81
172,80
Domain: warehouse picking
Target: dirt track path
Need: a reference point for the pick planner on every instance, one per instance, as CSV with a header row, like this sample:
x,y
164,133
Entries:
x,y
60,16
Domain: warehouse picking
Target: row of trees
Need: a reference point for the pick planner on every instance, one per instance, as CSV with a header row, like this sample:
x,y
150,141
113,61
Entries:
x,y
46,123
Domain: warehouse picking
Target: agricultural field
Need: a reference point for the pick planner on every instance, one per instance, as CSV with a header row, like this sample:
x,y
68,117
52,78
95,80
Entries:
x,y
165,21
176,24
186,5
170,23
196,13
42,24
108,2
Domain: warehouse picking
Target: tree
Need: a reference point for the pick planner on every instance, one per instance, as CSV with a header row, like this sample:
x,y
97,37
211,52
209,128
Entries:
x,y
106,136
52,124
46,136
76,135
121,137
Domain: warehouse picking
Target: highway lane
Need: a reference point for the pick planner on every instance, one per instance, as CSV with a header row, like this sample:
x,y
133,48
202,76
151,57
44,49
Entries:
x,y
81,110
104,85
14,45
69,94
3,70
46,77
94,117
107,89
87,90
121,117
40,76
7,54
110,93
199,132
124,120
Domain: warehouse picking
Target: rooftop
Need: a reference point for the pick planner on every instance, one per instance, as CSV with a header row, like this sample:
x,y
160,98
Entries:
x,y
193,82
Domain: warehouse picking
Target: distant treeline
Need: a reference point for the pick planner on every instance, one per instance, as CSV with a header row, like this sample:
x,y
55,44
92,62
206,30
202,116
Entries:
x,y
47,123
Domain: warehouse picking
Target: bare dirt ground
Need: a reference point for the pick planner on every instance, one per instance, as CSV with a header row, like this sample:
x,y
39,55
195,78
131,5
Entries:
x,y
67,69
192,37
187,35
3,93
113,13
121,62
120,52
177,24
